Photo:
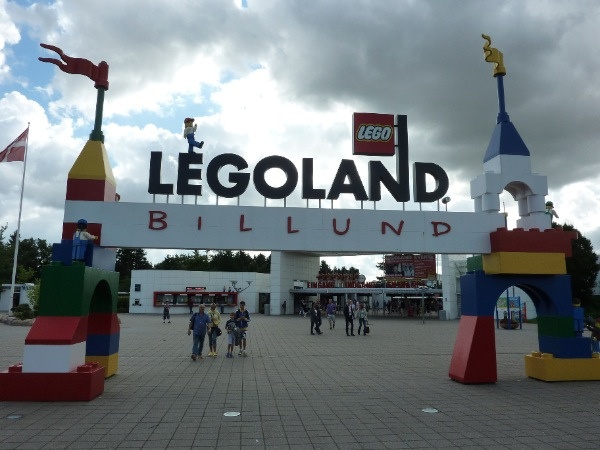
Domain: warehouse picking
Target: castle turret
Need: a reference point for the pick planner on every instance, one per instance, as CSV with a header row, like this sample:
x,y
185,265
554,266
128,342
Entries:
x,y
507,164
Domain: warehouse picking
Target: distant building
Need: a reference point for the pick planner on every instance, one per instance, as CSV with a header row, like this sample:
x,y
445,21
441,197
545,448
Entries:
x,y
20,296
150,288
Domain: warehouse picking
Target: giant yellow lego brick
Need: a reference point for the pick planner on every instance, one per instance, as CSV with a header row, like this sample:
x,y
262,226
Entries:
x,y
545,367
92,164
110,363
521,263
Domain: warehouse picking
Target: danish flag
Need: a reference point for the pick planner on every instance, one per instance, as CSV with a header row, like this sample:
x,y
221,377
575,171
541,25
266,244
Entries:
x,y
16,149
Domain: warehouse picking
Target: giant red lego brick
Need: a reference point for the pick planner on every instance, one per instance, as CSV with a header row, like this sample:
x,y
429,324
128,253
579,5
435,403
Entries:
x,y
519,240
103,323
474,356
57,330
69,229
91,190
81,385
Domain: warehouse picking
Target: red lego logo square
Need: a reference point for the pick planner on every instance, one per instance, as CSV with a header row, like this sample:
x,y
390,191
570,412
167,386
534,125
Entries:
x,y
373,134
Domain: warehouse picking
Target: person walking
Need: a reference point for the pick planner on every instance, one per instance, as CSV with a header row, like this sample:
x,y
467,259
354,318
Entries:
x,y
315,318
166,311
213,332
242,317
232,331
349,316
362,318
331,313
199,324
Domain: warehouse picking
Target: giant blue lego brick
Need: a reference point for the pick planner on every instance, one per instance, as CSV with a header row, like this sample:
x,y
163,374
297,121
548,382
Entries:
x,y
566,347
551,294
102,344
63,252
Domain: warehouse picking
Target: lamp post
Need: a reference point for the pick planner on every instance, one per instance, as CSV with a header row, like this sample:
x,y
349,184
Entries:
x,y
445,201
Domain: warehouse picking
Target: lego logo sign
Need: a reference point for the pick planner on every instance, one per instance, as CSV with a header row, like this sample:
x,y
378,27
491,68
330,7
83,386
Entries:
x,y
373,134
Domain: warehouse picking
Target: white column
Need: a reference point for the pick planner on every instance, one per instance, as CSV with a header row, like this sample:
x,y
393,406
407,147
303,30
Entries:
x,y
449,289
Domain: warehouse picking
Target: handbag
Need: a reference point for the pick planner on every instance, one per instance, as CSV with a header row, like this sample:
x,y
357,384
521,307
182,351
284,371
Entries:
x,y
219,332
367,329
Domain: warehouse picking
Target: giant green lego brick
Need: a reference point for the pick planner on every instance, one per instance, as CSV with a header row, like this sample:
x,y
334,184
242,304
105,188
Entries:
x,y
556,326
76,290
474,263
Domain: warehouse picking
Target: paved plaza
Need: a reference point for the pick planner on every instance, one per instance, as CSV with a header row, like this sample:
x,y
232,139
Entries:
x,y
299,391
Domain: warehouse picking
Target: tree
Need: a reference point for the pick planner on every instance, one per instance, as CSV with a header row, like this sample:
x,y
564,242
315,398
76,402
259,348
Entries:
x,y
262,263
197,261
583,268
324,269
173,262
34,297
219,261
33,255
6,258
129,259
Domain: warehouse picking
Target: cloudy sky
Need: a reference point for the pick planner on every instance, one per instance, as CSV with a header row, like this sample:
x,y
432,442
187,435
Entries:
x,y
272,77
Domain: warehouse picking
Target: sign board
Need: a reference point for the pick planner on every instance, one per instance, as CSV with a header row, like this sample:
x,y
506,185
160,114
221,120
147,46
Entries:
x,y
410,266
373,134
318,230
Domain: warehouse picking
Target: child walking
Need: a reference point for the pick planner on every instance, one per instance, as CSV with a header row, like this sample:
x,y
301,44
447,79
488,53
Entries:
x,y
231,328
166,311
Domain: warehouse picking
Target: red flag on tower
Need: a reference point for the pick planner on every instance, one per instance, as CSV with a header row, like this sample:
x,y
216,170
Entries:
x,y
16,149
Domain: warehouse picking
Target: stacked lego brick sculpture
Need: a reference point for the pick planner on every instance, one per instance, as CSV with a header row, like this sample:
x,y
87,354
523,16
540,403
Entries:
x,y
535,261
74,342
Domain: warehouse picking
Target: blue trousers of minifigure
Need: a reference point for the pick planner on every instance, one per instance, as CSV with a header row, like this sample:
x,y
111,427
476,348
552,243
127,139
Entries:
x,y
193,143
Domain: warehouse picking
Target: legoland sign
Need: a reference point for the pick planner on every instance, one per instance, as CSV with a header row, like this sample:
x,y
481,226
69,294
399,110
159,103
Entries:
x,y
373,136
296,229
257,228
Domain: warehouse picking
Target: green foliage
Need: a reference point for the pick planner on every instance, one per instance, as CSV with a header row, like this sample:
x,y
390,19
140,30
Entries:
x,y
33,254
22,311
583,268
129,259
25,275
324,269
6,258
34,297
219,261
123,304
176,262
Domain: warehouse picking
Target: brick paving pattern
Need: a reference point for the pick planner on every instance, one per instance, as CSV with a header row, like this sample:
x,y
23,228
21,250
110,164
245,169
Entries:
x,y
297,391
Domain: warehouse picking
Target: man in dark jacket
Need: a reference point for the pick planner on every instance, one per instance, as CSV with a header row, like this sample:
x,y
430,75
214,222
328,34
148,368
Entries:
x,y
349,315
315,318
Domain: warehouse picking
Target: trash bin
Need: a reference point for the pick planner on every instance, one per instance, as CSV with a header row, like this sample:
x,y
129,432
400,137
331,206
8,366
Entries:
x,y
442,314
267,307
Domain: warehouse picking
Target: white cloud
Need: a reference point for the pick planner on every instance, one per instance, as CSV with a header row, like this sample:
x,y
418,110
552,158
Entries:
x,y
280,78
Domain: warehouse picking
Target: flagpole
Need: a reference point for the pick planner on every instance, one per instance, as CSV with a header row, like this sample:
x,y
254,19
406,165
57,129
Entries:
x,y
18,235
